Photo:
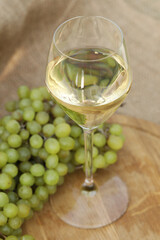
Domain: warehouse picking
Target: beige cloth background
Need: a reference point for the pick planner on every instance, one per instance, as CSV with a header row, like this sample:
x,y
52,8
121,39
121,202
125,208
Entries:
x,y
26,29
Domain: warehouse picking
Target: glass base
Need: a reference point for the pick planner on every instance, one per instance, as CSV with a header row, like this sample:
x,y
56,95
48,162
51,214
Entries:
x,y
90,209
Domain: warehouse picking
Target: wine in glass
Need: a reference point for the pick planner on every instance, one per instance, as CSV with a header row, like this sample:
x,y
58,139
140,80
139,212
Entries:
x,y
88,76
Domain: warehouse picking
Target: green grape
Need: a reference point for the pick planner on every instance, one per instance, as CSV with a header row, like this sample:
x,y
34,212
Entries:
x,y
33,127
77,144
10,210
42,193
10,106
10,169
64,156
15,222
66,143
51,177
5,119
52,146
99,140
27,179
17,115
35,94
115,142
25,166
23,210
24,103
17,232
95,152
111,62
81,139
3,199
24,134
37,105
57,111
71,167
5,181
12,155
45,94
34,151
6,230
34,201
3,219
51,189
104,82
28,114
1,130
43,154
99,161
5,135
52,161
62,169
3,159
42,117
23,201
30,215
23,92
39,207
80,156
61,181
14,141
76,131
11,237
62,130
58,120
110,157
36,141
4,146
48,130
94,169
24,154
13,185
13,197
115,129
39,181
122,137
37,170
13,126
25,192
27,237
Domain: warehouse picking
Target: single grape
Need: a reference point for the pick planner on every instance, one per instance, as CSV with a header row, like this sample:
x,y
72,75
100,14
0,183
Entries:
x,y
115,142
27,179
52,161
34,151
42,117
110,157
62,169
51,177
37,105
13,197
28,114
71,167
66,143
95,152
5,181
115,129
62,130
39,207
80,156
25,192
77,144
24,134
39,181
76,131
43,154
45,94
48,130
13,126
57,111
23,210
5,135
99,140
65,156
58,120
35,94
23,92
25,166
33,127
14,141
24,154
23,201
11,237
15,222
10,210
10,169
3,199
51,189
10,106
27,237
37,170
99,161
4,146
6,230
42,193
3,219
111,62
3,159
5,119
17,232
12,155
34,201
24,103
17,115
52,146
36,141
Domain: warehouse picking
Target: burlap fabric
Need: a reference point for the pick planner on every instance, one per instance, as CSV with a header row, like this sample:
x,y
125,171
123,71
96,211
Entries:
x,y
26,28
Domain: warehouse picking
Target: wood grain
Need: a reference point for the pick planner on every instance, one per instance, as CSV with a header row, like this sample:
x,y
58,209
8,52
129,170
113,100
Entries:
x,y
139,167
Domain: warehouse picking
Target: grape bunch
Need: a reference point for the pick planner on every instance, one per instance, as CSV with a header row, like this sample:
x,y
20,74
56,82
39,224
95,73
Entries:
x,y
39,145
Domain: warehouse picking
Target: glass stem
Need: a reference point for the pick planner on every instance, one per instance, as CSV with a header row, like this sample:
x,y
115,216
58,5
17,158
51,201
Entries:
x,y
88,141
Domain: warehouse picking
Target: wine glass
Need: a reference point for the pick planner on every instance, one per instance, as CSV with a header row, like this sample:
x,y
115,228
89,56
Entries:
x,y
88,75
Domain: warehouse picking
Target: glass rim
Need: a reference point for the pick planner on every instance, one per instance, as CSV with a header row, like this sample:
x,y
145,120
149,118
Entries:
x,y
87,60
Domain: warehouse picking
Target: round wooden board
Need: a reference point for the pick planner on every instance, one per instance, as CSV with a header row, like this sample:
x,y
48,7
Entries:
x,y
139,167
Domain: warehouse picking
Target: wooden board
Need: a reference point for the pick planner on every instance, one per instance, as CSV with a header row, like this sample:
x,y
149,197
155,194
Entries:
x,y
139,167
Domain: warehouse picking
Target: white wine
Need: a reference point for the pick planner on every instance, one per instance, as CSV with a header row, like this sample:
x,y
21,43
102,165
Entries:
x,y
89,84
